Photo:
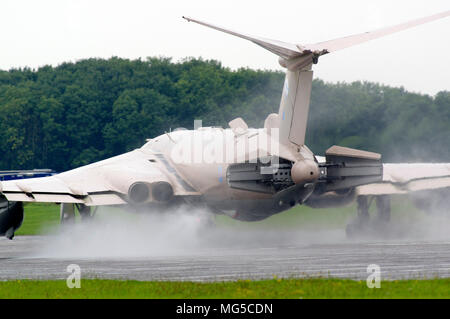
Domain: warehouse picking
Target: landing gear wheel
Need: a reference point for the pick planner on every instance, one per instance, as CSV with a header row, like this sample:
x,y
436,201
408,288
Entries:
x,y
384,207
355,229
67,213
10,233
85,212
359,225
362,225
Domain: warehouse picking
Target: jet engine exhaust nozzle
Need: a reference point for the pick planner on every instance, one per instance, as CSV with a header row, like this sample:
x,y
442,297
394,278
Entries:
x,y
139,193
162,192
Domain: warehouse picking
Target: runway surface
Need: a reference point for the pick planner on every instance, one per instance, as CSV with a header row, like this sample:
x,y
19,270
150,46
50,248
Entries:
x,y
24,258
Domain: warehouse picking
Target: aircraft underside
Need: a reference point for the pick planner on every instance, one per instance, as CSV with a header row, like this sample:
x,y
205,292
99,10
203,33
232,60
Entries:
x,y
363,224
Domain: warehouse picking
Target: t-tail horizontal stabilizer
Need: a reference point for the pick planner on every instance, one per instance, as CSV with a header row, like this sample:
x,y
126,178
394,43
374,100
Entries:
x,y
298,59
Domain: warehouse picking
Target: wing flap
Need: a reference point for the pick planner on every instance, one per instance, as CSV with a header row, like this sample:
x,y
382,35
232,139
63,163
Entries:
x,y
405,178
18,197
433,183
104,199
403,173
56,198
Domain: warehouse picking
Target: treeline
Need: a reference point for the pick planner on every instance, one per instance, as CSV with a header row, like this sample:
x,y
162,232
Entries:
x,y
77,113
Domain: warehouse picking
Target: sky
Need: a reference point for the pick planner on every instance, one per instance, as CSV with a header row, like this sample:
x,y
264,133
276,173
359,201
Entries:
x,y
36,33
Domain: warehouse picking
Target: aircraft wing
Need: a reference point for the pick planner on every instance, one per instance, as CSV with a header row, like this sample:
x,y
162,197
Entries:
x,y
405,178
102,183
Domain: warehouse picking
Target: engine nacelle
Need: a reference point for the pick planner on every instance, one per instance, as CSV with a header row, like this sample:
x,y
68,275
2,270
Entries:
x,y
11,217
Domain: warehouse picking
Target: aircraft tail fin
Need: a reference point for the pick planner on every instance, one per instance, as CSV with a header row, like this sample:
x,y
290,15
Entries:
x,y
298,60
294,106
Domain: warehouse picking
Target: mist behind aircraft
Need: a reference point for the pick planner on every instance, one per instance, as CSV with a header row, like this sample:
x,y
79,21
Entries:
x,y
185,232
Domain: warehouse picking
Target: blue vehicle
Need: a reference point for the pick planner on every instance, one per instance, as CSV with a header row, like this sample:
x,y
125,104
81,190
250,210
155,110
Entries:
x,y
11,175
11,213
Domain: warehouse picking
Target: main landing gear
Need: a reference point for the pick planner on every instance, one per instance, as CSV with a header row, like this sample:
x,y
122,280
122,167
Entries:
x,y
363,225
67,212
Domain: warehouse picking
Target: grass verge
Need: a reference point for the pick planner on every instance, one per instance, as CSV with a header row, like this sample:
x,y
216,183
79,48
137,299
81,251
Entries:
x,y
245,289
38,218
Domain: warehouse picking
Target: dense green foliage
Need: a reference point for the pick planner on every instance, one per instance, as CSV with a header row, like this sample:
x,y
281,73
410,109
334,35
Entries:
x,y
76,113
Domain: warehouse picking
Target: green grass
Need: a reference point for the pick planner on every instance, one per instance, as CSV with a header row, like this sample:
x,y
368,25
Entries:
x,y
41,217
304,217
246,289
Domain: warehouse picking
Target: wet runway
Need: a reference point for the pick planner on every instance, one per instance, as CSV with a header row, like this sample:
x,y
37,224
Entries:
x,y
23,258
